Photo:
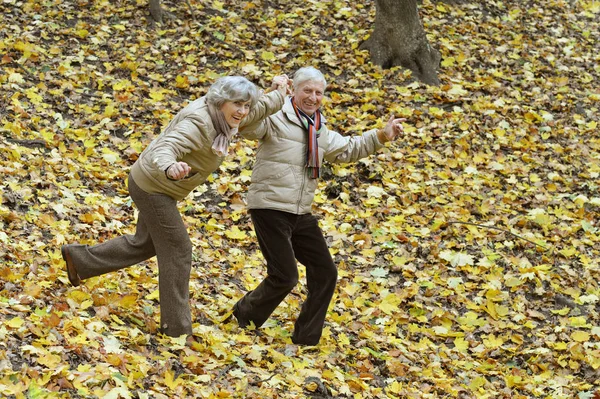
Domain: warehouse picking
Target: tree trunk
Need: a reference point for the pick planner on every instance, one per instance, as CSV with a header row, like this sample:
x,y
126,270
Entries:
x,y
156,11
398,39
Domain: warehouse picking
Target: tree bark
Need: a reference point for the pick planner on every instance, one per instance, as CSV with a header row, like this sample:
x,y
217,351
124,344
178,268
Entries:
x,y
398,39
156,11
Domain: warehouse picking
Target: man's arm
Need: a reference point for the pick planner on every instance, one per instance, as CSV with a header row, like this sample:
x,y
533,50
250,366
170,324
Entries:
x,y
350,149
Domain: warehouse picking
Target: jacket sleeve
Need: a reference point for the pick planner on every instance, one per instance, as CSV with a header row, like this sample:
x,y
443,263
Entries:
x,y
185,137
343,149
254,126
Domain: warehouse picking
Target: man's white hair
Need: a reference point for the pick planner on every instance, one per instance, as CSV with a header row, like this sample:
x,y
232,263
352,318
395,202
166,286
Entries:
x,y
307,74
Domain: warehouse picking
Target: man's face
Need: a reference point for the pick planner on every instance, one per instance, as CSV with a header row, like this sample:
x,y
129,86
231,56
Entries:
x,y
308,96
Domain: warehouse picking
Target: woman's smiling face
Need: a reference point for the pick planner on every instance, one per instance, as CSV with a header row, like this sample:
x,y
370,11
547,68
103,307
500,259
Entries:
x,y
308,96
235,112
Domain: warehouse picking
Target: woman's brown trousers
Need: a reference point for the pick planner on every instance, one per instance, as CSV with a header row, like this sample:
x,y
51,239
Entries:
x,y
160,231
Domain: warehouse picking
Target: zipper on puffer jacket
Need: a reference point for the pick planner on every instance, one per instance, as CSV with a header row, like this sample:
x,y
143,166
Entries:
x,y
301,191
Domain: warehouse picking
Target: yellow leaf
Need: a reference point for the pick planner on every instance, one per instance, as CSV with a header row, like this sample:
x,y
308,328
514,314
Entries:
x,y
460,344
83,33
492,342
78,296
448,62
343,340
580,336
49,360
395,387
502,311
591,6
33,96
121,85
235,234
182,82
578,321
312,386
351,289
157,95
540,217
251,69
128,301
477,383
514,381
15,322
568,252
152,295
560,346
170,381
387,308
513,282
267,56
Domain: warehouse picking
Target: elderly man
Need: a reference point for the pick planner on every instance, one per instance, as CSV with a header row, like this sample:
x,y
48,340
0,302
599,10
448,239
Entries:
x,y
293,143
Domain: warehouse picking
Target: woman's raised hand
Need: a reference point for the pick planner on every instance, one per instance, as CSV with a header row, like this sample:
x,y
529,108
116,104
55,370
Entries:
x,y
178,170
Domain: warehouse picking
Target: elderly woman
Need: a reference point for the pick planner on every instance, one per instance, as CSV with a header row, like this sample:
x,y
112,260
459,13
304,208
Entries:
x,y
191,147
292,145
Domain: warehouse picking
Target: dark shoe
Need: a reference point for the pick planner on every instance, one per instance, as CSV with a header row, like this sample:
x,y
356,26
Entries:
x,y
305,342
71,271
243,323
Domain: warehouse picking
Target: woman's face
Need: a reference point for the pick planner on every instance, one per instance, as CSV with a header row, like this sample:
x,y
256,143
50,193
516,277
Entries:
x,y
235,112
308,96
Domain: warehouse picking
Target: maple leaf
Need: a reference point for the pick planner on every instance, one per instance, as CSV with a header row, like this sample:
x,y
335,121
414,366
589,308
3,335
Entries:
x,y
457,258
236,234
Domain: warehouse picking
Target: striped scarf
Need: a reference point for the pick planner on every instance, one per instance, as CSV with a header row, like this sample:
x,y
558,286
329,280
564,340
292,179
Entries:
x,y
313,125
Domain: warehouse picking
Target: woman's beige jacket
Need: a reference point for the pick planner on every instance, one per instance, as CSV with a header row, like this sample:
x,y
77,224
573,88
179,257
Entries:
x,y
188,138
280,179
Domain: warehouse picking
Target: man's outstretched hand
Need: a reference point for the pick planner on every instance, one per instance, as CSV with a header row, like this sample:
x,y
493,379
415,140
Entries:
x,y
392,129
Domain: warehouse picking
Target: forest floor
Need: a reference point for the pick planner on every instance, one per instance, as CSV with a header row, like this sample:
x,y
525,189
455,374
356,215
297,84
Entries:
x,y
468,250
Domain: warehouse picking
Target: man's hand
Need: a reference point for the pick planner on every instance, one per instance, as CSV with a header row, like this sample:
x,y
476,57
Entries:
x,y
392,129
178,170
282,84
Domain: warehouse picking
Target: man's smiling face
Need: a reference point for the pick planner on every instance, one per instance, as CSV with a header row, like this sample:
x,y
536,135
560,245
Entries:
x,y
308,96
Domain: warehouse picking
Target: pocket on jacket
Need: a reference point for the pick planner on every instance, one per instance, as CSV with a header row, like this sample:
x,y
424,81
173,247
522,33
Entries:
x,y
272,172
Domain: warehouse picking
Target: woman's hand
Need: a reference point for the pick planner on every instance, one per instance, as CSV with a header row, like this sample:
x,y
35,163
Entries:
x,y
392,129
281,83
178,170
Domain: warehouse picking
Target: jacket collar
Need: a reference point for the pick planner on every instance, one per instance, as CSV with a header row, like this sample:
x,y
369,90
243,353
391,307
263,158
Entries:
x,y
288,110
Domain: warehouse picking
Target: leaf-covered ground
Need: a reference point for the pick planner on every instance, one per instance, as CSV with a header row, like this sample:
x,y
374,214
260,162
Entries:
x,y
468,250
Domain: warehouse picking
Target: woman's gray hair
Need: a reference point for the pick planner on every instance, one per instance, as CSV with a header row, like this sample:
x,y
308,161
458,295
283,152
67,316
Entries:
x,y
306,74
232,88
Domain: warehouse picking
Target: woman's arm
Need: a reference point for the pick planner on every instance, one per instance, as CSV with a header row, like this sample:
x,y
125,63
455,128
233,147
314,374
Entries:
x,y
172,146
